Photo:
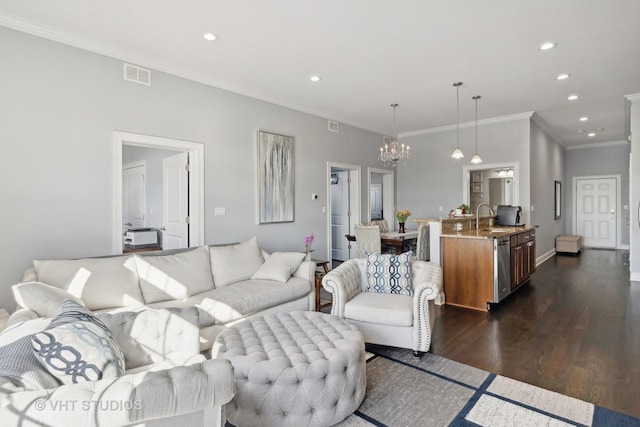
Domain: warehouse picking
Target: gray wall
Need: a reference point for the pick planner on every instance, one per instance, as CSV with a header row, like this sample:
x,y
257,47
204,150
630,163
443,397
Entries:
x,y
432,178
59,108
547,166
594,161
634,243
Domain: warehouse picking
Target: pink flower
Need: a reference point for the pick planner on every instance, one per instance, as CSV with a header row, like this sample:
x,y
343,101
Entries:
x,y
309,239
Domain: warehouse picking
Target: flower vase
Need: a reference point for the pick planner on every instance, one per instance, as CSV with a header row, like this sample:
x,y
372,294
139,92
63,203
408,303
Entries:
x,y
401,227
307,256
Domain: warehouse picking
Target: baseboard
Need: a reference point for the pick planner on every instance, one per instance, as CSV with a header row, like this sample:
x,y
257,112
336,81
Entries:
x,y
635,276
623,247
440,299
542,258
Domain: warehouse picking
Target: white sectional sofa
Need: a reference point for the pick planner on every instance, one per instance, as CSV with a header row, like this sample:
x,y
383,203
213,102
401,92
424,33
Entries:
x,y
165,310
225,283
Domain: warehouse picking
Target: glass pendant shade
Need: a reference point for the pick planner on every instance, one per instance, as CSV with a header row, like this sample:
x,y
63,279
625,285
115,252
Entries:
x,y
457,154
476,159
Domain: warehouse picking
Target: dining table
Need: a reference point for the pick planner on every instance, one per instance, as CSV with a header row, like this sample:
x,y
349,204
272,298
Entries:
x,y
400,242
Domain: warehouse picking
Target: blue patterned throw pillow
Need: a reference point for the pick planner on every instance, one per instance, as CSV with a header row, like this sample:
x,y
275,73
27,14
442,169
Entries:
x,y
78,347
390,274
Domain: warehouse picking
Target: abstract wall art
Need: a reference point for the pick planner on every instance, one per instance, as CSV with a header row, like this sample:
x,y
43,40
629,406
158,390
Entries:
x,y
275,178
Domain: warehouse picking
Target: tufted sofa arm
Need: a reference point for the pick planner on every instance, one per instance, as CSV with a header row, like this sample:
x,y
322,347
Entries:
x,y
343,282
427,284
130,399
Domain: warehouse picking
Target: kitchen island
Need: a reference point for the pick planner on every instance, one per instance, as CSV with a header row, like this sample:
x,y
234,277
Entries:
x,y
482,267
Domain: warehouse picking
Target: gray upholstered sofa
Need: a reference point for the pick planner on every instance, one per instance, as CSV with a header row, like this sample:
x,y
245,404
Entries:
x,y
225,283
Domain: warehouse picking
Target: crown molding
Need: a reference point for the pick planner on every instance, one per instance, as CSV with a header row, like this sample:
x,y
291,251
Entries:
x,y
633,97
597,144
155,65
546,129
483,122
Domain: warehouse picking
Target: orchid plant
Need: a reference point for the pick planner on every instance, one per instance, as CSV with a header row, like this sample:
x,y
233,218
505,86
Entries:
x,y
308,241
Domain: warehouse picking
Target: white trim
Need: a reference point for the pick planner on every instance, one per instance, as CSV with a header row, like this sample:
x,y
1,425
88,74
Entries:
x,y
196,181
385,172
623,247
490,121
535,118
633,97
634,276
135,165
574,214
597,144
544,257
354,201
466,177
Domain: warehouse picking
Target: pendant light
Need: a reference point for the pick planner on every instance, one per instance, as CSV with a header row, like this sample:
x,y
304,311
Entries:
x,y
457,153
391,152
476,157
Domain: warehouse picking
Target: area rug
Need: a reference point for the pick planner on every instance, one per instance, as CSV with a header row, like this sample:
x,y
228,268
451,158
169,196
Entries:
x,y
433,391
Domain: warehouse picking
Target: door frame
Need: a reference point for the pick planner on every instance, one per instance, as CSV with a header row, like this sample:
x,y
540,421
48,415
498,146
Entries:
x,y
355,199
196,181
574,209
388,194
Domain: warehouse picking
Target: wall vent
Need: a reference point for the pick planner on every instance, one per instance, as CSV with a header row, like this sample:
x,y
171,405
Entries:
x,y
334,126
386,140
137,74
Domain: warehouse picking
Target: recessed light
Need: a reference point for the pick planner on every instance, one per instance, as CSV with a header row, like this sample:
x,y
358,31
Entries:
x,y
209,36
572,97
584,119
563,76
580,130
314,78
547,45
591,134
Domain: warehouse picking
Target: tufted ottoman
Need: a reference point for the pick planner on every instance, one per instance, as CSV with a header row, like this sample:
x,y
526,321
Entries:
x,y
293,369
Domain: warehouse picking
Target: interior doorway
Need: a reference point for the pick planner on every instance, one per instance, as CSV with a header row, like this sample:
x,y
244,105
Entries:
x,y
193,186
597,210
343,213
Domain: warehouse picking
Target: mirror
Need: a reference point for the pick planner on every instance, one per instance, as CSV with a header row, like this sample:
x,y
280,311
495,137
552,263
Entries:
x,y
381,195
494,184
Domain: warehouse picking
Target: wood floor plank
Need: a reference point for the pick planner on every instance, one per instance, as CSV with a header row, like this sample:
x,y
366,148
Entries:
x,y
574,329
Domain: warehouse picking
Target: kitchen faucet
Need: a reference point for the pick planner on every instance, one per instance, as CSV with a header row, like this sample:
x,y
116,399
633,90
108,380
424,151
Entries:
x,y
478,210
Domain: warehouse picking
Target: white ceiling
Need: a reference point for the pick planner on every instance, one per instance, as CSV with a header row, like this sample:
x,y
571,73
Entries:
x,y
371,53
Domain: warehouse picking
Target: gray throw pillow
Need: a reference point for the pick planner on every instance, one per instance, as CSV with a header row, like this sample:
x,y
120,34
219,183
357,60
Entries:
x,y
19,365
78,347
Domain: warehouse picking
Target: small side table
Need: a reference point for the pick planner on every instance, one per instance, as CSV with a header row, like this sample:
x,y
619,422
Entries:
x,y
319,275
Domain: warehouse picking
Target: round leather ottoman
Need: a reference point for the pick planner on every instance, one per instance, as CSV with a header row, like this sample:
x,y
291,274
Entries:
x,y
293,369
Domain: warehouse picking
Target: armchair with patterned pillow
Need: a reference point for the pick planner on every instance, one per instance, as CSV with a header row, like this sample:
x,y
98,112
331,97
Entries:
x,y
389,298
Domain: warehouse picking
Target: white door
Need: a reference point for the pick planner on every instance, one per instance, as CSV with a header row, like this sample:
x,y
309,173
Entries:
x,y
175,201
375,197
340,216
596,212
133,196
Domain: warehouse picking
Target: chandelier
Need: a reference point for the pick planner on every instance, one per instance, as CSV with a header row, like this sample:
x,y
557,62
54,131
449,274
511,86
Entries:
x,y
391,152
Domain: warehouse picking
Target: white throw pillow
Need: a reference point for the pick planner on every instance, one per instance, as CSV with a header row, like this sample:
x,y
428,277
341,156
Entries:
x,y
390,274
100,282
279,266
235,263
78,347
44,299
174,277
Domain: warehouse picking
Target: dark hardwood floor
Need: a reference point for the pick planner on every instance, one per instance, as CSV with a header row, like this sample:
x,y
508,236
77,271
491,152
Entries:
x,y
574,329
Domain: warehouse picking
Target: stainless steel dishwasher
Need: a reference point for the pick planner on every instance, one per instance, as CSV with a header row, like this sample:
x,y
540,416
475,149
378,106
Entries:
x,y
501,268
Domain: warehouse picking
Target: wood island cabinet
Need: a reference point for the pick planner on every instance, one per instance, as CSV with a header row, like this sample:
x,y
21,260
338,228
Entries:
x,y
482,267
523,257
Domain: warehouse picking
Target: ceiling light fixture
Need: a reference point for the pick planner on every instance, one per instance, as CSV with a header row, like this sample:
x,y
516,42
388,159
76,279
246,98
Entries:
x,y
390,153
315,78
547,46
457,153
476,157
591,134
584,119
209,37
563,76
573,97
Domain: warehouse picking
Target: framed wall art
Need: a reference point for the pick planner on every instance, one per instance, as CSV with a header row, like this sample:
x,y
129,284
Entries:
x,y
275,178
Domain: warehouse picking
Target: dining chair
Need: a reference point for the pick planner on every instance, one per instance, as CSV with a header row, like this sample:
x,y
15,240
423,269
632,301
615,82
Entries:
x,y
383,224
423,251
367,239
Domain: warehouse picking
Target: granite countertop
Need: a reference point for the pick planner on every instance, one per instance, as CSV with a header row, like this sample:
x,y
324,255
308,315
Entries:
x,y
451,218
494,232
